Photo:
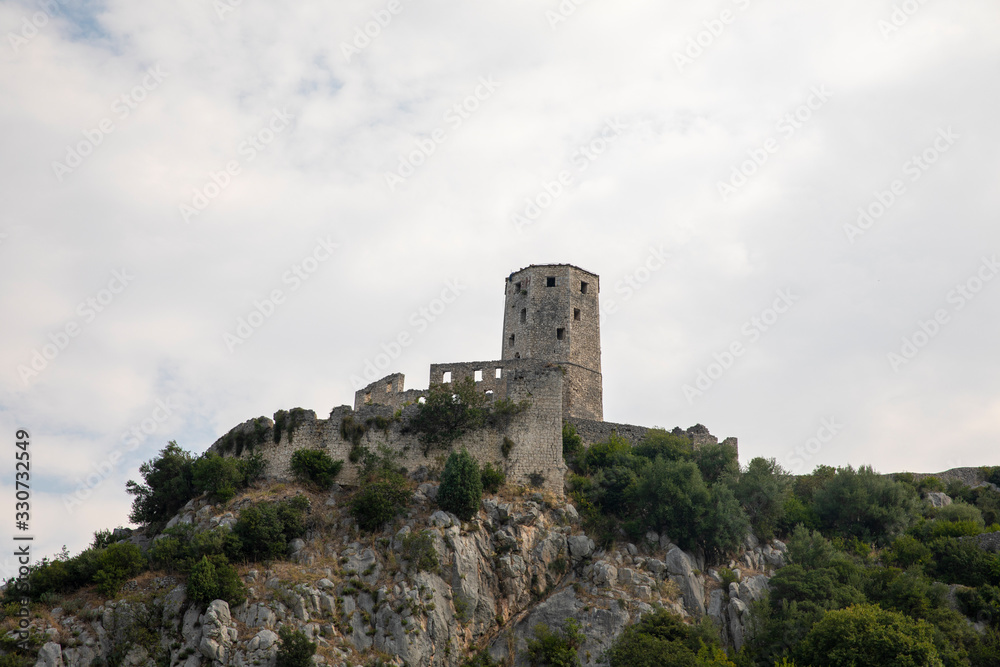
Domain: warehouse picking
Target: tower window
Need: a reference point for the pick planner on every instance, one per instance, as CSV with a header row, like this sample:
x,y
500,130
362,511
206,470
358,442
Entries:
x,y
498,374
550,281
524,315
517,355
560,333
510,341
446,377
388,388
478,376
583,287
576,314
368,397
489,395
517,287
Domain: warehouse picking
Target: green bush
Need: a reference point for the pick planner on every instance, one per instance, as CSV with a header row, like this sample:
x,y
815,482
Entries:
x,y
959,511
215,579
168,486
449,412
861,503
868,636
492,478
115,565
295,650
218,476
352,431
571,441
264,530
461,489
418,549
382,497
315,466
762,490
660,443
556,649
661,639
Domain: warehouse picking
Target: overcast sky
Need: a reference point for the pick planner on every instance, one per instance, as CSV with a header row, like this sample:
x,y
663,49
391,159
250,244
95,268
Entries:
x,y
803,184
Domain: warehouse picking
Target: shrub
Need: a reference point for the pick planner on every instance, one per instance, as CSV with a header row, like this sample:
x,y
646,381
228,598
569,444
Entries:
x,y
615,451
382,497
115,565
658,442
506,447
253,468
315,466
571,441
762,489
556,649
492,478
295,650
218,476
861,503
866,635
168,486
449,412
958,511
461,488
418,549
215,579
264,530
352,431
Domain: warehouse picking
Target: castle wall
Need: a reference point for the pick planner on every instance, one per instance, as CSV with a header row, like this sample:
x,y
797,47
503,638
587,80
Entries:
x,y
536,433
592,431
387,391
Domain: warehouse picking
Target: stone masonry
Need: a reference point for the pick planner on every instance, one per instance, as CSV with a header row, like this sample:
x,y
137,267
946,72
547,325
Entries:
x,y
550,359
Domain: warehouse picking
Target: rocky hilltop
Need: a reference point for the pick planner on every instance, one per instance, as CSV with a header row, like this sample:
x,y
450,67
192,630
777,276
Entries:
x,y
482,584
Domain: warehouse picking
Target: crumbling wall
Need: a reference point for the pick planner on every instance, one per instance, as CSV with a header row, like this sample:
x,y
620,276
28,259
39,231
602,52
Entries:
x,y
591,431
535,435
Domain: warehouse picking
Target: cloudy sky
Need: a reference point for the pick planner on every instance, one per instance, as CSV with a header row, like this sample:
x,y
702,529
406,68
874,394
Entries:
x,y
214,209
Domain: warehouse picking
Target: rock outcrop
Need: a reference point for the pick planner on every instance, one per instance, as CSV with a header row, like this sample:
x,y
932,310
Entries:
x,y
522,562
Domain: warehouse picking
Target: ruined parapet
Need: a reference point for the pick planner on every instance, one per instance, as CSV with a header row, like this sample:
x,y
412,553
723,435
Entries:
x,y
591,431
387,391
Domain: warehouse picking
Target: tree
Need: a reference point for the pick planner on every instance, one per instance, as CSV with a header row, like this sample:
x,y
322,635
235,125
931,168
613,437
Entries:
x,y
671,496
449,412
861,503
762,489
866,635
382,497
168,486
218,476
461,489
556,649
295,650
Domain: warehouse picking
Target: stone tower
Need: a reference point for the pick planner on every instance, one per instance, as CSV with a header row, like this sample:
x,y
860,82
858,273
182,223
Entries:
x,y
551,312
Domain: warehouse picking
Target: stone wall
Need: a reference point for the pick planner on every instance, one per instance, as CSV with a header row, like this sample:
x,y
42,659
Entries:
x,y
591,431
387,391
536,433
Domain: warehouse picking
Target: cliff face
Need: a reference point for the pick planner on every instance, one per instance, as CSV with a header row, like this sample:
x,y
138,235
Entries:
x,y
524,560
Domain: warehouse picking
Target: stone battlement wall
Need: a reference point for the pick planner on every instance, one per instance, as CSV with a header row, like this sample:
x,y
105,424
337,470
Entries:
x,y
591,431
535,434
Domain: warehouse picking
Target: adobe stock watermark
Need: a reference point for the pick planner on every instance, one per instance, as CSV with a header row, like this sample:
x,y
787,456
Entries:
x,y
551,190
900,16
420,320
121,108
249,149
704,39
751,330
634,281
87,310
797,459
958,298
562,12
786,127
162,411
31,23
365,34
295,276
914,168
454,117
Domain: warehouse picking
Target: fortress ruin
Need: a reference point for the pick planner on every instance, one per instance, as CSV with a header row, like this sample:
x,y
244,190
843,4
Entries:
x,y
550,360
